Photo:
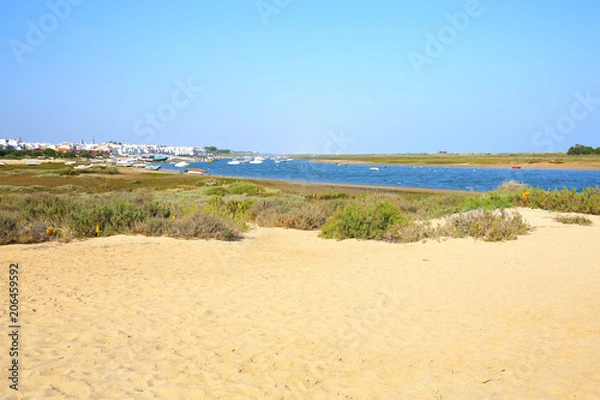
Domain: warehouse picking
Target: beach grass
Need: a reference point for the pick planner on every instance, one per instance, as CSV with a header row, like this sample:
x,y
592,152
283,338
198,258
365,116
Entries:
x,y
573,220
62,207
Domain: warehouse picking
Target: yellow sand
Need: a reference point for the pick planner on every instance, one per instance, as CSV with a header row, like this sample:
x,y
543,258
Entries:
x,y
284,314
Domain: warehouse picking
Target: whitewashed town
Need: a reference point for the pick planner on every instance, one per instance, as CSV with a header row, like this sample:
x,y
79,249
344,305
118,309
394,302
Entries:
x,y
108,148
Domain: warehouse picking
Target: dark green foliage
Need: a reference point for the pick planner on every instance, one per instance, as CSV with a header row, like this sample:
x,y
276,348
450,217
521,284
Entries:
x,y
581,150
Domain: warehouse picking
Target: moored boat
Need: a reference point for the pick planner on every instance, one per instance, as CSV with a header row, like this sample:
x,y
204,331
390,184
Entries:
x,y
257,160
197,171
124,163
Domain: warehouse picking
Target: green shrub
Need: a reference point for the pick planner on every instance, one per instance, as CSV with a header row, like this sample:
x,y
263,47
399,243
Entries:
x,y
250,189
216,191
47,206
564,200
154,208
237,209
491,201
94,218
204,226
292,212
9,227
363,219
329,195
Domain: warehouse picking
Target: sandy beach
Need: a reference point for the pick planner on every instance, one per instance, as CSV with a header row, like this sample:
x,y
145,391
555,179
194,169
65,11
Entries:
x,y
285,314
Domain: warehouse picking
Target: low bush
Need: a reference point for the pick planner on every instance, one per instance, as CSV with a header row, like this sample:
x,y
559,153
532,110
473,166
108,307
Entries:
x,y
204,226
573,219
411,232
9,227
488,225
365,218
585,202
216,191
247,188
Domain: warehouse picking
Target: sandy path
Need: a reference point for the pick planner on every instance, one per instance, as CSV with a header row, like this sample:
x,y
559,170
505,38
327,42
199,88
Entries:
x,y
284,314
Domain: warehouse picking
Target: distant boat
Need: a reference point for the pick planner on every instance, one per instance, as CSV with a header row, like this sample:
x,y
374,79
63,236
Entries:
x,y
124,163
516,167
84,166
197,171
257,160
139,165
153,167
70,163
32,163
2,163
181,164
374,169
234,162
160,158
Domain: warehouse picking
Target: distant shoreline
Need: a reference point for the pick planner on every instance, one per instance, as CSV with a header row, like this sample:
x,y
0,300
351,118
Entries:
x,y
591,165
551,162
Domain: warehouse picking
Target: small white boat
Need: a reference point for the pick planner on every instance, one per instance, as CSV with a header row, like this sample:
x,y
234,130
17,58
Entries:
x,y
124,163
374,169
181,164
84,166
2,163
70,163
234,162
139,165
257,160
32,163
197,171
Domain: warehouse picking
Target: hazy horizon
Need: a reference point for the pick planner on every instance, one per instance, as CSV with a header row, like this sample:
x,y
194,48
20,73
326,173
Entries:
x,y
284,76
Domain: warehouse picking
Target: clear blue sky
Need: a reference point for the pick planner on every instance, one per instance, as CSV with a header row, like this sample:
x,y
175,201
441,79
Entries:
x,y
308,76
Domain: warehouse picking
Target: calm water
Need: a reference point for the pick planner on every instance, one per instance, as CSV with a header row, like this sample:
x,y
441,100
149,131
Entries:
x,y
454,178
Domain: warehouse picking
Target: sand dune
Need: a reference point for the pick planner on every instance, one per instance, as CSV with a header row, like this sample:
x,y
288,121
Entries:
x,y
284,314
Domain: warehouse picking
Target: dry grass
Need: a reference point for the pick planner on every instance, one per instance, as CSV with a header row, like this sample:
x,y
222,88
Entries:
x,y
573,220
93,205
